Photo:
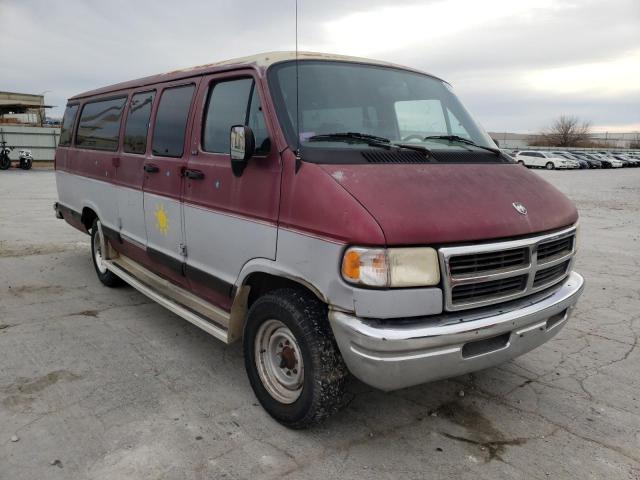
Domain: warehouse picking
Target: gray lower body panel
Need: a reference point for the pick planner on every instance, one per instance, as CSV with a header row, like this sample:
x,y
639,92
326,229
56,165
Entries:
x,y
390,356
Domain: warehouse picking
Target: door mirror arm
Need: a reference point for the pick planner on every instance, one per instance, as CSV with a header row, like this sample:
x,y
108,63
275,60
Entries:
x,y
242,147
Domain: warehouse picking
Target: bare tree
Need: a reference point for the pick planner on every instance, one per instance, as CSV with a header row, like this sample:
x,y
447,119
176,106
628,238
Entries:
x,y
566,131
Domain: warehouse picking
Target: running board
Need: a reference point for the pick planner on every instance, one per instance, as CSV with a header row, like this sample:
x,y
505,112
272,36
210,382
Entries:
x,y
183,303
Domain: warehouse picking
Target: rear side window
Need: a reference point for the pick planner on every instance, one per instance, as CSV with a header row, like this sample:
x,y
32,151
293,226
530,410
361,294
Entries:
x,y
234,102
68,120
135,134
99,126
171,121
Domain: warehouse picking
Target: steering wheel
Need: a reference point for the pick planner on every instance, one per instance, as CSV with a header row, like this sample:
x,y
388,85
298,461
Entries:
x,y
412,137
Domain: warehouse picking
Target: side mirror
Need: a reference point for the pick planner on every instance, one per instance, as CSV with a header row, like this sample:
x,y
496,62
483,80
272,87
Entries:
x,y
242,148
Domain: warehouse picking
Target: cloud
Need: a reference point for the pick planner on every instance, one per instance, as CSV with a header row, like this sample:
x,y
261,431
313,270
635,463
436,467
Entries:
x,y
516,64
614,77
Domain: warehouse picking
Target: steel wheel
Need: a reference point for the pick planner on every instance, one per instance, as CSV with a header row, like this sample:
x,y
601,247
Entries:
x,y
97,249
301,382
279,361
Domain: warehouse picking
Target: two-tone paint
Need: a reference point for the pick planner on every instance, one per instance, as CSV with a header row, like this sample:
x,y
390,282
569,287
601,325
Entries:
x,y
291,220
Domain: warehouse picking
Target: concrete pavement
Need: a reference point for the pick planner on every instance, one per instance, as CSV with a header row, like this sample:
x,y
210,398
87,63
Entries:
x,y
100,383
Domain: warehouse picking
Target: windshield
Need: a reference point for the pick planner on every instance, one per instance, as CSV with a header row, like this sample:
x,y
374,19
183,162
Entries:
x,y
389,103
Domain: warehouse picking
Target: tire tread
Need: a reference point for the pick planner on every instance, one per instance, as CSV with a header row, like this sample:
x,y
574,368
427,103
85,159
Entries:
x,y
330,372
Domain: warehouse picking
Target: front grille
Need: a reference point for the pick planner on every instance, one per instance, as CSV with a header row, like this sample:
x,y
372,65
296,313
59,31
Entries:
x,y
483,262
489,273
486,290
555,248
548,275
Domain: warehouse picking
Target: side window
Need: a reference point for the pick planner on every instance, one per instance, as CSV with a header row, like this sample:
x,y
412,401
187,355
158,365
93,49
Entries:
x,y
227,106
135,133
68,121
257,124
171,121
99,125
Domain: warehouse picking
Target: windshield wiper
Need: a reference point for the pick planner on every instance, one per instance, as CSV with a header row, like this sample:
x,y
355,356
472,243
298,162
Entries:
x,y
372,140
457,138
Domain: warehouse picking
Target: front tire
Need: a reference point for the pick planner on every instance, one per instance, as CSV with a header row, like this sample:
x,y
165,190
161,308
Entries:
x,y
107,277
292,360
549,166
26,164
5,162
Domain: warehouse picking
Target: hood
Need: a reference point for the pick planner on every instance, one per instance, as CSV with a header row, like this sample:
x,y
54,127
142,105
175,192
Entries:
x,y
449,203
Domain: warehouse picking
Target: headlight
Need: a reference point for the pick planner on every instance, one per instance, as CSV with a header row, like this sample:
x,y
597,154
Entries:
x,y
392,267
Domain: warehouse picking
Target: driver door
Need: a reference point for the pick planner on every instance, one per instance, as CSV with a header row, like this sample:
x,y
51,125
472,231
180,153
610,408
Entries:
x,y
228,219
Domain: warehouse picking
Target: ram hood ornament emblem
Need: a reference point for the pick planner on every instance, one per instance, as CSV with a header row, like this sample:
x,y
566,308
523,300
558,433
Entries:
x,y
520,208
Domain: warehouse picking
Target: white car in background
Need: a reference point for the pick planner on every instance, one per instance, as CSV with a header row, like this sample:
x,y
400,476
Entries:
x,y
548,160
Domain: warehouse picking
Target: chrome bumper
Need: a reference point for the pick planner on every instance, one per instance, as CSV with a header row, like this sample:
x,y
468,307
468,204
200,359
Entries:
x,y
396,354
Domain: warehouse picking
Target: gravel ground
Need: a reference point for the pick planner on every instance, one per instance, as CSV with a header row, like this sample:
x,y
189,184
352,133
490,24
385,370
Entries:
x,y
101,383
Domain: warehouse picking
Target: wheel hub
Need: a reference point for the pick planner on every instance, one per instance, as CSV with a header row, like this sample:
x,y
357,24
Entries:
x,y
287,358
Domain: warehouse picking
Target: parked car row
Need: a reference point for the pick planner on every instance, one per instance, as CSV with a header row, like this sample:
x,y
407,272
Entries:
x,y
572,159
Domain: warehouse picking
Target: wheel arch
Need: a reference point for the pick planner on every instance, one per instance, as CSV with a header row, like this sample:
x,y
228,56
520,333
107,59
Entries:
x,y
87,217
256,280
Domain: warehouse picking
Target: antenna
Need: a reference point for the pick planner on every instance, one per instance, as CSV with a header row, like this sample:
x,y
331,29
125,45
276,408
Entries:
x,y
298,159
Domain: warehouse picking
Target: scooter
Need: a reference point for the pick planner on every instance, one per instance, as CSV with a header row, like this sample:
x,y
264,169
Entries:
x,y
26,159
5,161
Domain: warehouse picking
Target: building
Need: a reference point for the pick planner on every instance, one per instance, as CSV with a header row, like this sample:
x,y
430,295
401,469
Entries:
x,y
511,140
22,108
599,139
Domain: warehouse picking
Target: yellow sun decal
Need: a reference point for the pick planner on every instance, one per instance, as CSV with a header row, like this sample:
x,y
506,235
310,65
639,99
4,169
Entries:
x,y
162,219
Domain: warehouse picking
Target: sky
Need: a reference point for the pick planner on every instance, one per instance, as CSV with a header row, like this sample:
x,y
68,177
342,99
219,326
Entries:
x,y
516,64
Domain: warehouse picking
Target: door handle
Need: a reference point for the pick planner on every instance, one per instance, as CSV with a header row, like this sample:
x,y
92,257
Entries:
x,y
194,174
151,168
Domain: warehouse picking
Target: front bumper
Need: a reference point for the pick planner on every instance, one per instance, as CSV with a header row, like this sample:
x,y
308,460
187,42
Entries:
x,y
395,354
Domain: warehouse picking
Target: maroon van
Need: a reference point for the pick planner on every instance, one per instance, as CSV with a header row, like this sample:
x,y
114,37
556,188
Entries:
x,y
337,214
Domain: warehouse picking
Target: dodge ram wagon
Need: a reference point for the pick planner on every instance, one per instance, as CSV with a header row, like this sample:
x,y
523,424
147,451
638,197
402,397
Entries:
x,y
336,215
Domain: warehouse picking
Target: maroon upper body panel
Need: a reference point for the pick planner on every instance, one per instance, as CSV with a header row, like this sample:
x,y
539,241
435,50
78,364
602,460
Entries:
x,y
366,204
313,202
448,203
